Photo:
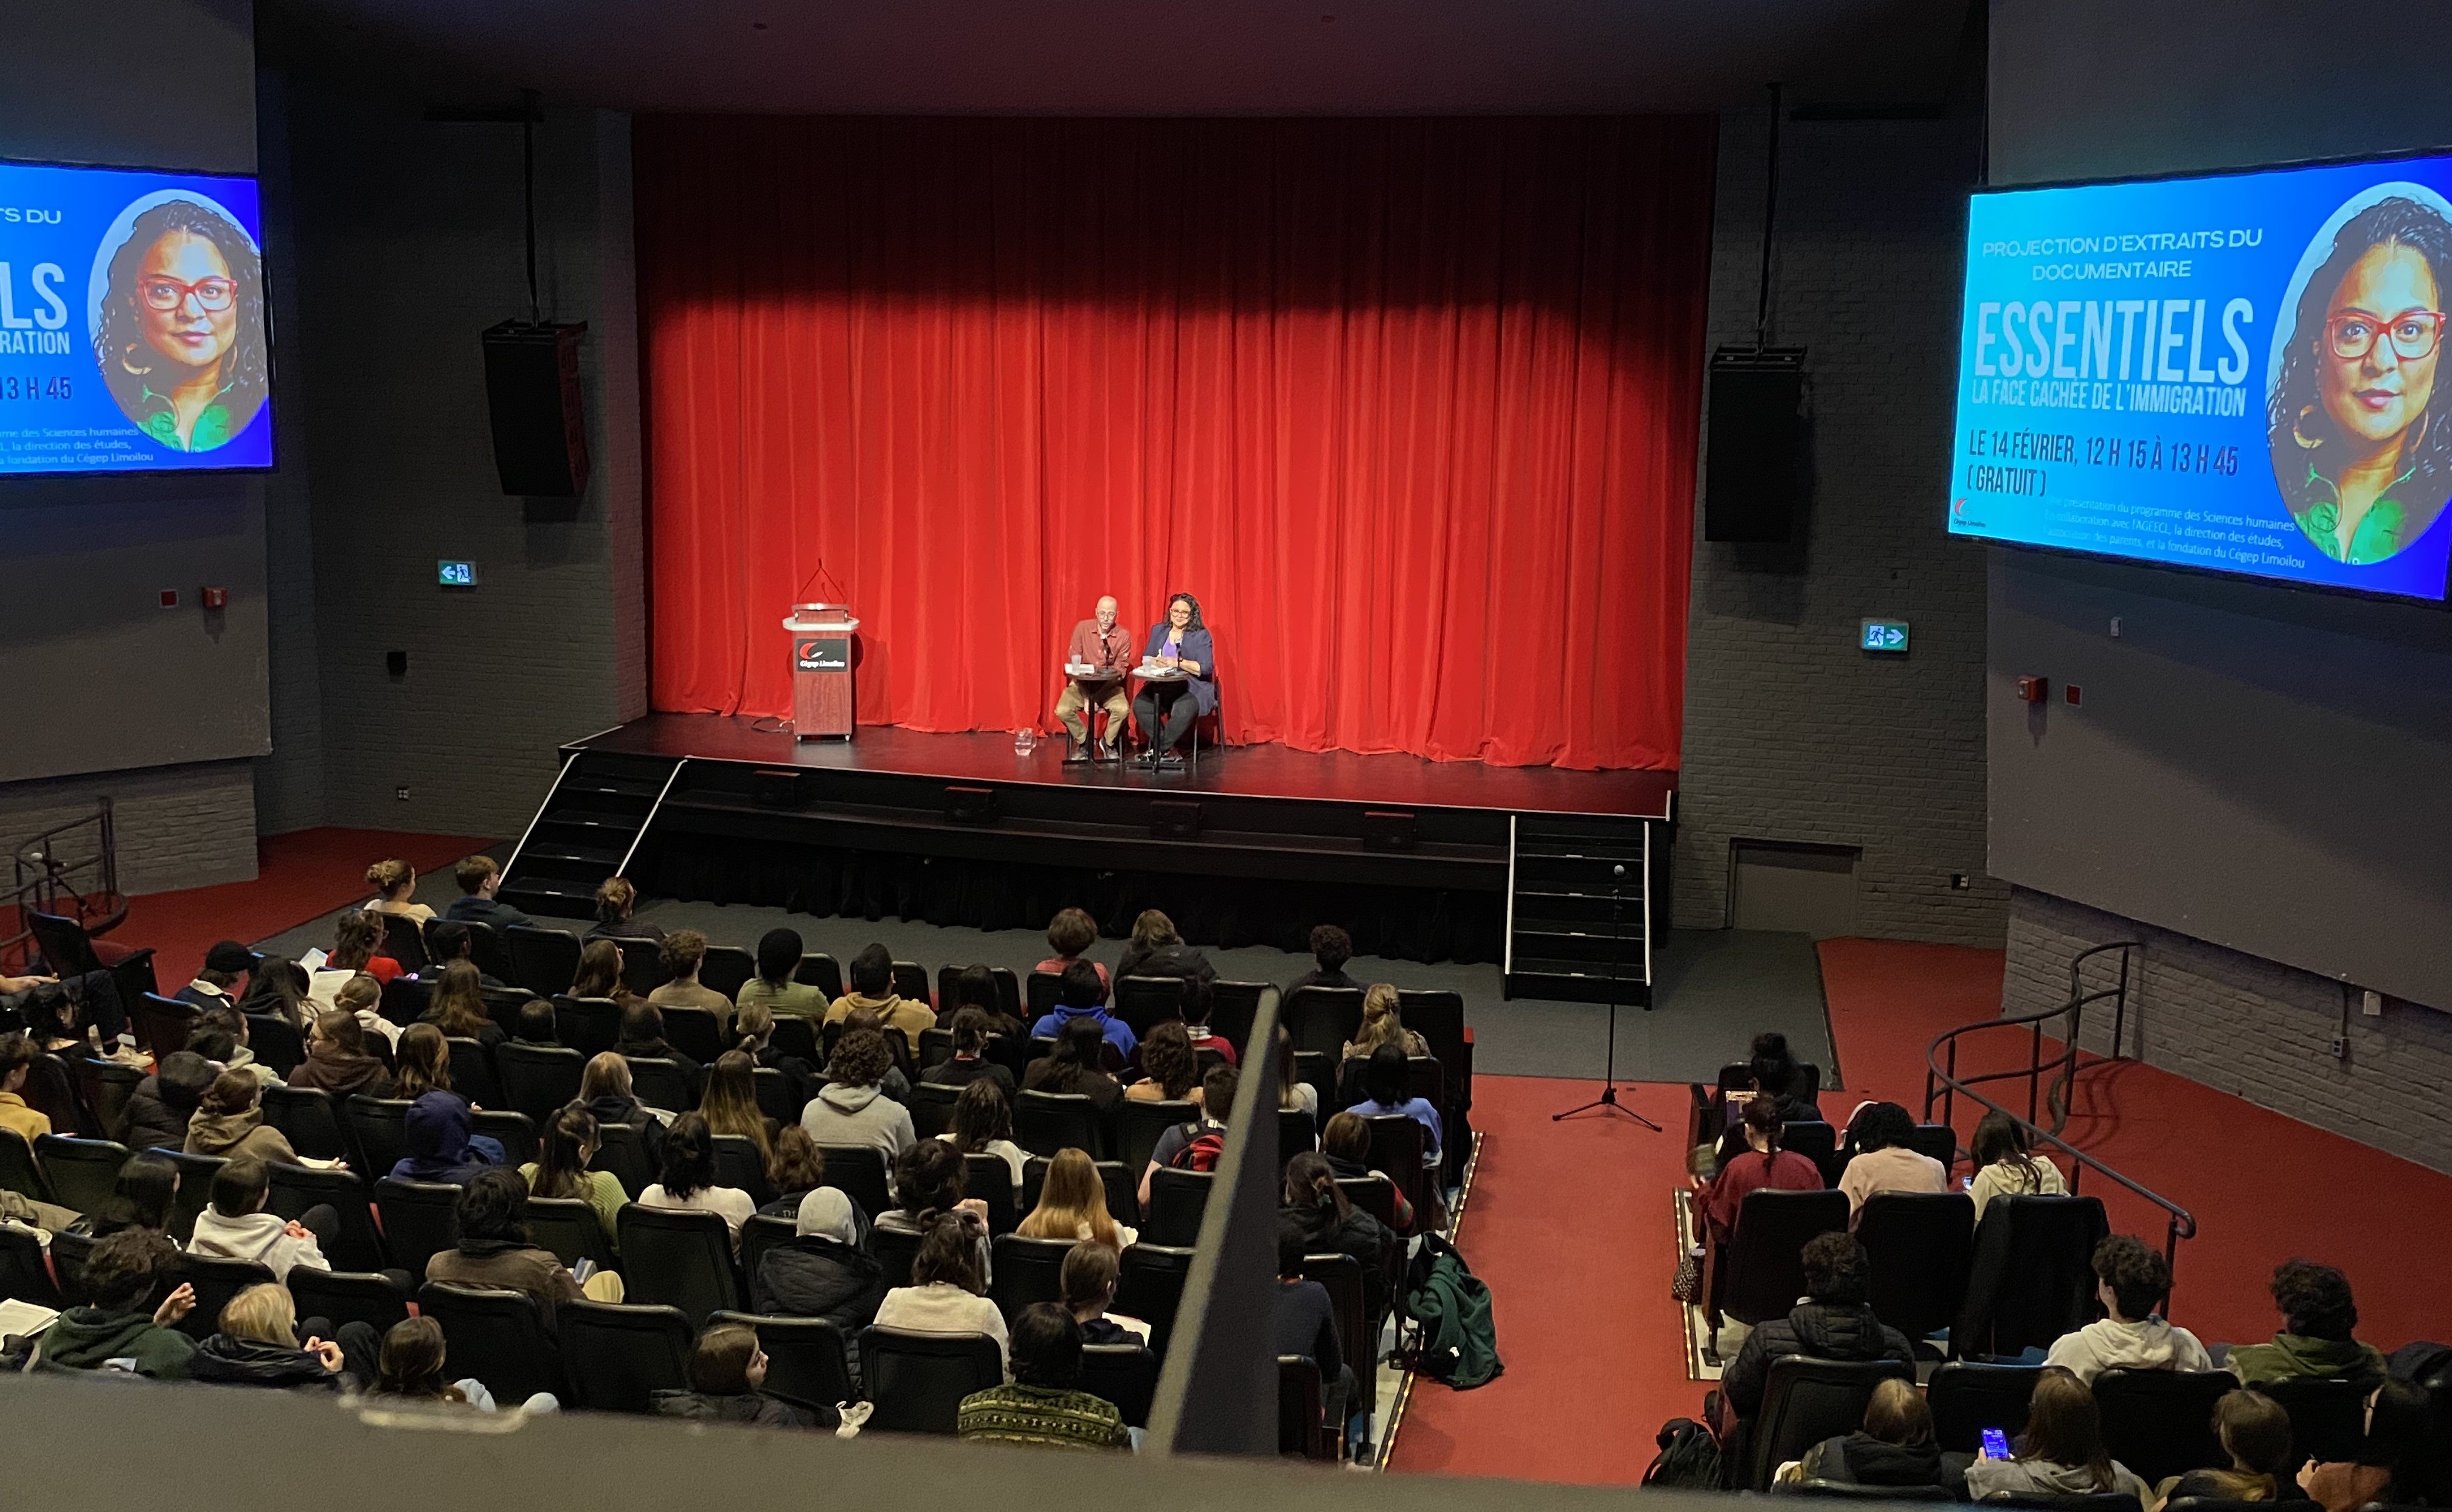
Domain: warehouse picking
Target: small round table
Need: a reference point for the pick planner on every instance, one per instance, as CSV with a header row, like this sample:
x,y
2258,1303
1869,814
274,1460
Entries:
x,y
1090,681
1146,673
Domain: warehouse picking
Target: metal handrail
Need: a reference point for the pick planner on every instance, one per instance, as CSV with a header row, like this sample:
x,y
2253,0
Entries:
x,y
1944,1085
41,880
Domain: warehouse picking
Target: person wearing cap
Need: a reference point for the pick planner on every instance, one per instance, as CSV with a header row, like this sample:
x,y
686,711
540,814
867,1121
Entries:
x,y
218,982
821,1272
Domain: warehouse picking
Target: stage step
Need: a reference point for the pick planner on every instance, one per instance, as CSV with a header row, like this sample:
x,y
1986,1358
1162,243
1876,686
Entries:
x,y
1580,893
587,826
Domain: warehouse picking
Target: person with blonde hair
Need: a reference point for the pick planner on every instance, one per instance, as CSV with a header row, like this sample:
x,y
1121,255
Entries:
x,y
730,1102
1382,1025
258,1345
1072,1205
615,900
395,885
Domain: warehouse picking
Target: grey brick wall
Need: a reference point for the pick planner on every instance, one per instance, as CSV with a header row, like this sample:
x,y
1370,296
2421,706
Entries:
x,y
175,827
2257,1029
1791,733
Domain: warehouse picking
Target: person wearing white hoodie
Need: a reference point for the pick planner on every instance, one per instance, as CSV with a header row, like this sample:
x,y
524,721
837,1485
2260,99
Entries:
x,y
2131,1282
852,1107
235,1226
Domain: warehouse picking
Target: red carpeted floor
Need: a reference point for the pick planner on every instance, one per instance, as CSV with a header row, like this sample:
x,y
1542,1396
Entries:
x,y
298,877
1571,1223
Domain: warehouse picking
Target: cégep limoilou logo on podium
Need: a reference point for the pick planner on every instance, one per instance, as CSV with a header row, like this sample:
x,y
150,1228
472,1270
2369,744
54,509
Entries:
x,y
812,653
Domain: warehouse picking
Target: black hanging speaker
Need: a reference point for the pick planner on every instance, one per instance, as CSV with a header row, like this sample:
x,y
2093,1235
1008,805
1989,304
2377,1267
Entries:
x,y
532,394
1754,478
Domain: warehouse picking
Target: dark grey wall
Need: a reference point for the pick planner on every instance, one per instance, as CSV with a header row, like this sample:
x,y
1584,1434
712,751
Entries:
x,y
1791,733
2254,766
106,680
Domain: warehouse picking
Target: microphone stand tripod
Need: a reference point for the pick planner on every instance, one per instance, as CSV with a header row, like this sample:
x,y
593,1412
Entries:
x,y
1608,1099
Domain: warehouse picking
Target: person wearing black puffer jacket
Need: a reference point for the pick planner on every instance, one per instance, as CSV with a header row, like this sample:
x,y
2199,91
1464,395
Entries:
x,y
822,1272
1330,1225
1895,1447
726,1371
258,1346
1833,1322
158,1110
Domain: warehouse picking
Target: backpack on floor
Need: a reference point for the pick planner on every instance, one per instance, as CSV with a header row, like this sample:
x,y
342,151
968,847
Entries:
x,y
1689,1457
1457,1341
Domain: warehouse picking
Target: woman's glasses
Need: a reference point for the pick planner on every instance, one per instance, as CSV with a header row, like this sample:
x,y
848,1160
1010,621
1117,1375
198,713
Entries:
x,y
213,294
2352,334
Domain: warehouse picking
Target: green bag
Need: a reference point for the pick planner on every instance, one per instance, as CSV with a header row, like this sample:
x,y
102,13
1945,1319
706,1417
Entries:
x,y
1458,1339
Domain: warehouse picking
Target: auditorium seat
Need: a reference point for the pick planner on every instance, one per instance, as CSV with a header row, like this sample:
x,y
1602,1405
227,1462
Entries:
x,y
1040,995
1140,1125
726,969
1375,1195
661,1083
216,1281
818,970
918,1381
570,1228
543,960
808,1360
1232,1008
591,1026
498,1337
989,1179
738,1164
347,1296
420,1220
1044,1122
1936,1140
1966,1397
1027,1271
295,1188
405,1001
1357,1332
539,1080
72,951
1806,1401
276,1043
1816,1142
161,1024
2328,1418
797,1037
643,966
1761,1269
775,1098
616,1356
1918,1245
1122,1375
24,1276
1145,1002
485,948
196,1173
681,1259
1302,1428
1149,1288
512,1129
1396,1141
380,1126
307,1117
106,1086
472,1072
1297,1134
620,1151
82,1173
2032,1277
1176,1201
911,981
932,1107
1323,1019
759,1233
695,1032
404,940
858,1172
1122,1181
895,1250
69,1252
2159,1423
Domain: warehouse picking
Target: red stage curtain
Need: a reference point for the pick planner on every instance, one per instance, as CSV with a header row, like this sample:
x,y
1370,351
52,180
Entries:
x,y
1410,405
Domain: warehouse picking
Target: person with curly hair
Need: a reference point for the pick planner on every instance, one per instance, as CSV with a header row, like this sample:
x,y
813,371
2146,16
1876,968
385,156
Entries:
x,y
2315,1344
182,342
2131,1282
852,1107
2361,466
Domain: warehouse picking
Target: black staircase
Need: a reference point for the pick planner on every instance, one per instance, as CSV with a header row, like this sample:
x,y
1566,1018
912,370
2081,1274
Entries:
x,y
1562,890
589,825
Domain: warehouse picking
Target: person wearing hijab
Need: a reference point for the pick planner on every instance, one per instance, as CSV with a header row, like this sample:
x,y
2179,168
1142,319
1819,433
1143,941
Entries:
x,y
822,1272
440,1147
1167,711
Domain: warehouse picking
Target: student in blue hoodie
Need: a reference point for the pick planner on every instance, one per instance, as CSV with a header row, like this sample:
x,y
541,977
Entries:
x,y
440,1147
1081,995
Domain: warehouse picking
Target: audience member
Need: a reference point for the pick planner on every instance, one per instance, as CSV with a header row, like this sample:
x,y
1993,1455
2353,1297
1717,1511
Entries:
x,y
2060,1453
215,982
615,900
1069,933
1778,1076
1169,1069
2255,1433
1307,1325
753,1025
337,1064
1072,1067
1041,1405
822,1272
1331,948
2130,1281
440,1147
16,1064
1346,1145
128,1314
1197,1009
1156,949
459,1008
852,1109
395,885
535,1026
1896,1447
480,878
946,1284
2004,1168
1331,1224
411,1369
140,1198
642,1039
162,1106
983,1125
1880,1134
494,1250
277,987
929,1179
730,1103
564,1148
257,1346
600,974
687,1178
727,1371
235,1226
1196,1146
2393,1455
1088,1282
969,1061
1080,998
425,1058
229,1122
684,952
1383,1025
450,940
795,1170
1833,1323
604,1092
974,987
894,1083
1294,1093
2316,1342
1072,1205
224,1019
82,1013
357,947
1779,1170
774,987
361,997
1387,1083
872,988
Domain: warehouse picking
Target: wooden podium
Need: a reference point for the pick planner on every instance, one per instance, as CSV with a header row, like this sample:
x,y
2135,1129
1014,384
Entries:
x,y
821,687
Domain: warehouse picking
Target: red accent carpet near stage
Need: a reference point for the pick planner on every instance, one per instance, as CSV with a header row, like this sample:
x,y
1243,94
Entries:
x,y
1569,1224
298,877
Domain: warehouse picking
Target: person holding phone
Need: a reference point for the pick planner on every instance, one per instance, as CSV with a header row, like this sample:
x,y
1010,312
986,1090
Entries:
x,y
1167,711
2061,1452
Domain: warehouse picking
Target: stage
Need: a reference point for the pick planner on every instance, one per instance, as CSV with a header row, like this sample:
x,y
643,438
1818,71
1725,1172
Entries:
x,y
960,827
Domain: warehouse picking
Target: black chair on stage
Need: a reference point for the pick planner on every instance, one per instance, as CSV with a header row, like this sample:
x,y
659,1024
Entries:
x,y
1806,1401
498,1337
918,1381
617,1355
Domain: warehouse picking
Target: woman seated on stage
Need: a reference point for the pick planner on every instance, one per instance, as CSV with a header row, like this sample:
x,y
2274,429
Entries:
x,y
1166,712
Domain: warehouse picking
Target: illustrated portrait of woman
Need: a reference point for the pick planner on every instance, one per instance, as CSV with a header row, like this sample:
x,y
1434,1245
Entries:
x,y
2363,460
181,334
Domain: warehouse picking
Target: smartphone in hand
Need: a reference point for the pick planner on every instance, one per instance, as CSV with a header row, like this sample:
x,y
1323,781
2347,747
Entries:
x,y
1996,1444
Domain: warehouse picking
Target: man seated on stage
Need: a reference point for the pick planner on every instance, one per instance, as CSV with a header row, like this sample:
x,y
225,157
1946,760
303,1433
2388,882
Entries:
x,y
1099,642
1167,711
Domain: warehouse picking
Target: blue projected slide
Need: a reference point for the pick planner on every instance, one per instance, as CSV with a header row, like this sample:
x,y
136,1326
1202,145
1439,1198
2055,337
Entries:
x,y
2236,373
132,332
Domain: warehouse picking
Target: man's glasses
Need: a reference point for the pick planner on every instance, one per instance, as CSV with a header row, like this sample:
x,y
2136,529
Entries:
x,y
2352,334
214,294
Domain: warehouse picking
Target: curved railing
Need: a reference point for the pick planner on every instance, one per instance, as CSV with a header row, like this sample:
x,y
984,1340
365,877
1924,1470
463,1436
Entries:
x,y
1944,1085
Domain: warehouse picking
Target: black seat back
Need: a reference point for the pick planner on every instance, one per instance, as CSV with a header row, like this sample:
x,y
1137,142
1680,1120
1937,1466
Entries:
x,y
1040,993
543,960
1397,1148
216,1281
1044,1122
347,1296
661,1083
161,1024
406,1000
1438,1017
1806,1401
83,1172
1966,1397
895,1250
1301,1406
797,1036
539,1080
1176,1201
570,1228
726,969
515,1131
695,1032
472,1072
1816,1142
932,1107
1937,1140
498,1337
380,1126
738,1164
989,1179
2328,1418
911,981
1762,1269
2032,1279
196,1173
359,1245
819,971
1138,1125
1145,1002
775,1098
918,1381
617,1355
1150,1288
1323,1019
680,1258
858,1172
23,1277
1297,1134
69,1254
312,1124
588,1025
1122,1375
276,1043
2161,1422
621,1151
107,1086
1233,1006
643,966
762,1233
808,1360
1027,1271
404,940
419,1220
1918,1245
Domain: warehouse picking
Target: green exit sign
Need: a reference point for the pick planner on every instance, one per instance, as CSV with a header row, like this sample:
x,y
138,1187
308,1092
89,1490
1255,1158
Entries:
x,y
1882,634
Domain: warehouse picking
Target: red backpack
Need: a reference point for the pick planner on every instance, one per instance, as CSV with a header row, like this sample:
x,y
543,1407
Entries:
x,y
1201,1152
